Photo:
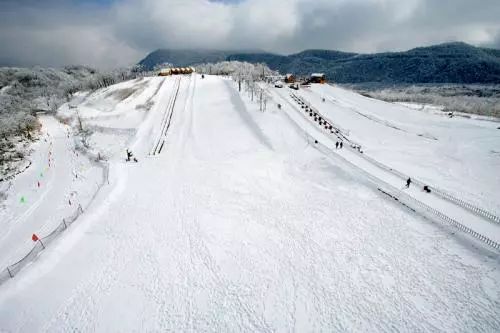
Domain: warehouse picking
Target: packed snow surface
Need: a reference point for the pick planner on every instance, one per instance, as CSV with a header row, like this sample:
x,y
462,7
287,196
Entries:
x,y
457,154
242,224
57,181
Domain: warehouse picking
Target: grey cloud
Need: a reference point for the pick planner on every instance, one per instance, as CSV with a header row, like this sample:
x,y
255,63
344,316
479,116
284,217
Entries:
x,y
61,32
494,43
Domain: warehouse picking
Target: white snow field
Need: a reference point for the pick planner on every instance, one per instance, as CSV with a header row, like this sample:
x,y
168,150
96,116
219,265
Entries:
x,y
485,226
49,190
457,154
242,223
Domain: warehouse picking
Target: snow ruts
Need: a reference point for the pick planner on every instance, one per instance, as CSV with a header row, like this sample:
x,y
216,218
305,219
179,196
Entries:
x,y
439,192
397,194
11,270
167,117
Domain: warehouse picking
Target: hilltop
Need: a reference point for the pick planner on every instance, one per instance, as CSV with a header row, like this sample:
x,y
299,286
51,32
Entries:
x,y
444,63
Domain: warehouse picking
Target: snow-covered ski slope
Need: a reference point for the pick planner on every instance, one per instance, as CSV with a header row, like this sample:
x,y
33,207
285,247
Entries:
x,y
56,182
242,223
456,212
457,154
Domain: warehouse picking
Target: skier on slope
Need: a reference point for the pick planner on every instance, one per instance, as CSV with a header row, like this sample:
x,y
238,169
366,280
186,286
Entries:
x,y
408,182
130,155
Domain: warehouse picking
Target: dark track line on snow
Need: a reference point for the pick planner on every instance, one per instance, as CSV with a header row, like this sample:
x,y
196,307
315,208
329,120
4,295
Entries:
x,y
166,121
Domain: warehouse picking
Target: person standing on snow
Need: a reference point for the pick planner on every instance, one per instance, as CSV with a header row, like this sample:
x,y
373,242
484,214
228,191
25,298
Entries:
x,y
408,182
337,145
341,144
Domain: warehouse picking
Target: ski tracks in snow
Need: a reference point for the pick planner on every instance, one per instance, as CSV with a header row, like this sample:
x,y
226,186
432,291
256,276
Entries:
x,y
224,294
242,110
253,241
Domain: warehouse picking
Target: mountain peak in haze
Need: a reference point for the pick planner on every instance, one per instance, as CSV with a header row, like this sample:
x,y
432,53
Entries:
x,y
453,62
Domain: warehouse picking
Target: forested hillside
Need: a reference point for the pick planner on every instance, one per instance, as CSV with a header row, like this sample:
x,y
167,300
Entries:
x,y
444,63
26,91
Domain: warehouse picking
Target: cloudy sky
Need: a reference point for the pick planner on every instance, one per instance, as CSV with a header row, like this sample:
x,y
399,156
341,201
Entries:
x,y
109,33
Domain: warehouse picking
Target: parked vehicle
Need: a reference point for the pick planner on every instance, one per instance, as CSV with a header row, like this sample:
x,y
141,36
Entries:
x,y
294,86
278,84
306,83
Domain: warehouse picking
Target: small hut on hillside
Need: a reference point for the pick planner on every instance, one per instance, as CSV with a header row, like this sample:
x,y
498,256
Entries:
x,y
165,72
318,78
176,71
289,78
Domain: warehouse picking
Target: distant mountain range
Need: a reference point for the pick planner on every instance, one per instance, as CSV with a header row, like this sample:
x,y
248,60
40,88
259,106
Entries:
x,y
445,63
183,58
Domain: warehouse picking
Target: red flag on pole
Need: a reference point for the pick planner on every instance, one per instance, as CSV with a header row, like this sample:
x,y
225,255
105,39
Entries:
x,y
35,238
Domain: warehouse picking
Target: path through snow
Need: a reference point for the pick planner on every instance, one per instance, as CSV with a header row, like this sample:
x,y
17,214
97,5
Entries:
x,y
241,225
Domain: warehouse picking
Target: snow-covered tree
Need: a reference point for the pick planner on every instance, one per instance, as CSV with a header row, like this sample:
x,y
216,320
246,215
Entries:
x,y
26,91
237,69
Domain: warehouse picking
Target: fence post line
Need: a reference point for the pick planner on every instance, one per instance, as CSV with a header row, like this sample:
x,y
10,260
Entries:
x,y
22,262
428,211
445,195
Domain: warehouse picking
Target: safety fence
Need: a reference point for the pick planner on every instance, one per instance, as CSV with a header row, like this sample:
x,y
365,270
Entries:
x,y
469,206
403,198
426,210
356,147
9,177
412,203
327,123
11,270
42,242
474,209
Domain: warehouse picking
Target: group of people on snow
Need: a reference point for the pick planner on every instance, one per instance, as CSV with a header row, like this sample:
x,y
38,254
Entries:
x,y
426,188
